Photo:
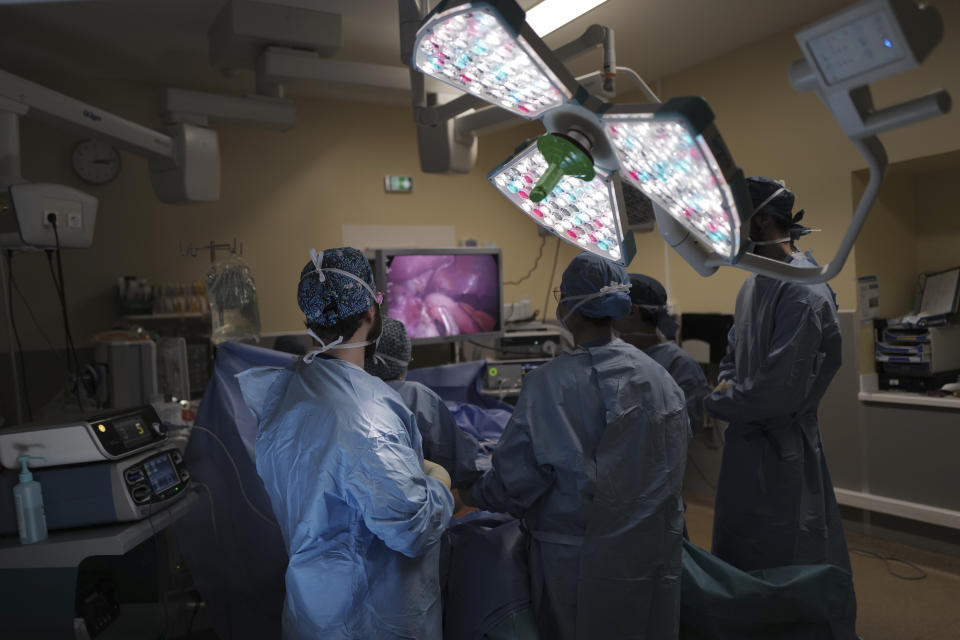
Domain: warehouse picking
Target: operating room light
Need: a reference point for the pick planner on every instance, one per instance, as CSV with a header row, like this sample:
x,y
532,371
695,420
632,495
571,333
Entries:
x,y
550,15
671,152
585,213
474,50
678,171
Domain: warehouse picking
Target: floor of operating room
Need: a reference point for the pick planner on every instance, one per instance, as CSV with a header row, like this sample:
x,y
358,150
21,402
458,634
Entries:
x,y
889,608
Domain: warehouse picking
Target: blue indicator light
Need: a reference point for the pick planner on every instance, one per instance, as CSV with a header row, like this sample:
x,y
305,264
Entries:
x,y
887,43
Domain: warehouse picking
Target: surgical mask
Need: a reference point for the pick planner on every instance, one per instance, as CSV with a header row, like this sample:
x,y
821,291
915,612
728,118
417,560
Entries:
x,y
317,259
613,287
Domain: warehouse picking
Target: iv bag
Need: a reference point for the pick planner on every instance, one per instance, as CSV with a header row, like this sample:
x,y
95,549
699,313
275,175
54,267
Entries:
x,y
233,301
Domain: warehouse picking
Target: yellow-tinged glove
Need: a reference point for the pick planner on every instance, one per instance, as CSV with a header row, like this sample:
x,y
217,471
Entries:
x,y
723,386
433,470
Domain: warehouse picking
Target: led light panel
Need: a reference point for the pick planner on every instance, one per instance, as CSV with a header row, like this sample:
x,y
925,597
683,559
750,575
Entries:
x,y
473,50
585,214
676,167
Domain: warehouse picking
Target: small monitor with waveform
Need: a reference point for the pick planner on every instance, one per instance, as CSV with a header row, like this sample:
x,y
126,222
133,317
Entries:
x,y
443,295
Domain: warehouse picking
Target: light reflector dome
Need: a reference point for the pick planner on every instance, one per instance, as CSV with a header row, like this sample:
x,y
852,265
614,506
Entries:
x,y
673,153
473,49
588,214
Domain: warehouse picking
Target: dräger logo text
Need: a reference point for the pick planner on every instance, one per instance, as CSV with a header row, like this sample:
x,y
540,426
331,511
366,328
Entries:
x,y
91,115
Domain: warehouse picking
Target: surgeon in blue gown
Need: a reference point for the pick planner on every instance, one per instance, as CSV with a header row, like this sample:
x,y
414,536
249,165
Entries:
x,y
649,328
444,442
340,458
593,461
775,504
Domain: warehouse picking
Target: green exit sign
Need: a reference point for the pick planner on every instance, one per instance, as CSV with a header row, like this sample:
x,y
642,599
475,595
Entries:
x,y
398,184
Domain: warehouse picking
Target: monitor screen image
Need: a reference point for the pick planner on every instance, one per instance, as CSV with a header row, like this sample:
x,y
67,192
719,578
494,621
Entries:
x,y
441,295
161,473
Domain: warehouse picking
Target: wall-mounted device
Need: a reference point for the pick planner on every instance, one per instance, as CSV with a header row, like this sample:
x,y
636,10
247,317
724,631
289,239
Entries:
x,y
25,217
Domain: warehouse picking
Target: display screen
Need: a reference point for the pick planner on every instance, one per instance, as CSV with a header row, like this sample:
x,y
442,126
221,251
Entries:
x,y
439,296
133,432
161,473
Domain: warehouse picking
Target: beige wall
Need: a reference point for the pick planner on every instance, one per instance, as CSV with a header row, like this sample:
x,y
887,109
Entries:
x,y
282,194
887,248
938,220
913,229
286,192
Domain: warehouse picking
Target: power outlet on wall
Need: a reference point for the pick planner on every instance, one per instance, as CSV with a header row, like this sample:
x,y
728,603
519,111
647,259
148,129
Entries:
x,y
46,219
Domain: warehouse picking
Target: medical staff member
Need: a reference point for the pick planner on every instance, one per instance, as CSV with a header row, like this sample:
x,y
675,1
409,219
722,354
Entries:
x,y
775,504
340,458
651,329
444,442
593,460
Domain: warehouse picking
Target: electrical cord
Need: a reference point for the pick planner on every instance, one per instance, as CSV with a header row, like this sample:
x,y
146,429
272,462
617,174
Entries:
x,y
213,513
553,273
62,292
16,334
543,242
236,471
889,560
56,286
36,323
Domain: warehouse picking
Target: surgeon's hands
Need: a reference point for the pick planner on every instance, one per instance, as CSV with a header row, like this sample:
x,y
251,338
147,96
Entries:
x,y
433,470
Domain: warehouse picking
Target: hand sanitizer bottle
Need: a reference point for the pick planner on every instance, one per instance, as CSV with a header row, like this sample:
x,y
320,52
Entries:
x,y
31,519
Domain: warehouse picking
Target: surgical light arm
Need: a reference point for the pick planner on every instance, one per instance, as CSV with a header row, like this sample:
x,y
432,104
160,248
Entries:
x,y
842,54
184,161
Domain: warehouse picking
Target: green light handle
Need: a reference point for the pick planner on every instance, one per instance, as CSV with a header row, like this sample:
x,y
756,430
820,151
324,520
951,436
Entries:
x,y
547,182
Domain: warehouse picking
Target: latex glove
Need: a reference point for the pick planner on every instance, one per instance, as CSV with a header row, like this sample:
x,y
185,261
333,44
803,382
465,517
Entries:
x,y
723,386
433,470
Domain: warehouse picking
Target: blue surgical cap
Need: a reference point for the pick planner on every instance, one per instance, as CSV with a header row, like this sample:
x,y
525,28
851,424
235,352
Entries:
x,y
587,274
780,206
393,352
648,294
337,297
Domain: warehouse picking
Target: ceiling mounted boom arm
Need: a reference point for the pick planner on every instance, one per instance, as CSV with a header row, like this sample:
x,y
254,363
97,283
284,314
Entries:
x,y
184,160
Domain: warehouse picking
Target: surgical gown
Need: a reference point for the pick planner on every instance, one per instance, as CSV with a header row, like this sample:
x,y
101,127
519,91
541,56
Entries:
x,y
339,456
593,460
775,504
444,442
687,372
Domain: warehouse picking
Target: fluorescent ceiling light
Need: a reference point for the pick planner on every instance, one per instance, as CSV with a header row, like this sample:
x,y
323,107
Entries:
x,y
550,15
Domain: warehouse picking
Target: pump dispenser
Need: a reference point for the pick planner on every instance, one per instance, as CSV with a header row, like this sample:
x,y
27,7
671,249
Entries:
x,y
31,518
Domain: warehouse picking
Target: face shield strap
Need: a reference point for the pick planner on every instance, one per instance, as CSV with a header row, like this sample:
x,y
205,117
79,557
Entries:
x,y
383,359
613,287
757,209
